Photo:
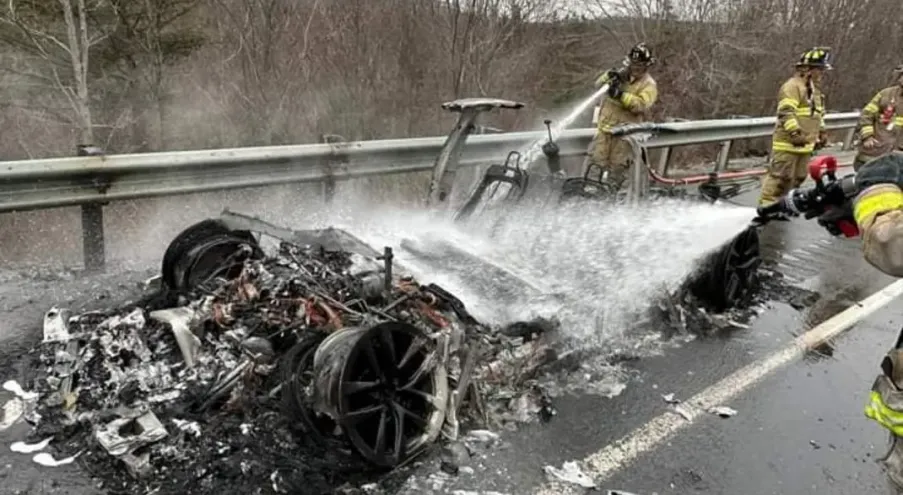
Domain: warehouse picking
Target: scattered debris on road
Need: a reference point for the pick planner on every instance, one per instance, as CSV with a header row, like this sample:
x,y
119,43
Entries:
x,y
14,387
56,328
11,411
26,448
723,411
570,472
47,460
685,312
683,412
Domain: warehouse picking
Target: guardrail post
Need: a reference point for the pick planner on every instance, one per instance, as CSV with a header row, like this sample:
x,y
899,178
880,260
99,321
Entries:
x,y
639,176
336,157
723,156
664,160
848,139
92,223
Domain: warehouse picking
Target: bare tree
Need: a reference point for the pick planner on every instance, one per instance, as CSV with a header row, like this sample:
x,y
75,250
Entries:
x,y
73,47
265,43
147,42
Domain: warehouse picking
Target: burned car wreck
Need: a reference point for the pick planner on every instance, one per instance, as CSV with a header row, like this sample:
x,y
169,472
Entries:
x,y
247,362
314,362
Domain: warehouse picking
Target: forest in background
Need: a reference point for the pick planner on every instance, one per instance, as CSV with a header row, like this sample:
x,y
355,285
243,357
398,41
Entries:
x,y
154,75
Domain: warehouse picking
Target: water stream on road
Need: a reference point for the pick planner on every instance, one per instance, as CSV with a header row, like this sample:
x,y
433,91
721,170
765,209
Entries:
x,y
594,269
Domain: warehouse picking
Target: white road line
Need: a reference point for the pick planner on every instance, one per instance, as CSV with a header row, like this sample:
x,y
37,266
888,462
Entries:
x,y
618,455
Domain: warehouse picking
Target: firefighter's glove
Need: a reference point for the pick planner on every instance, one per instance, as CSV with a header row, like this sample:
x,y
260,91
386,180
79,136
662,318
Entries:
x,y
833,195
797,138
834,216
550,149
609,77
614,89
887,169
776,211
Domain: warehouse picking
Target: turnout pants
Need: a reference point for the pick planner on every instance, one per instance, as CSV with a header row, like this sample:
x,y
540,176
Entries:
x,y
612,155
784,172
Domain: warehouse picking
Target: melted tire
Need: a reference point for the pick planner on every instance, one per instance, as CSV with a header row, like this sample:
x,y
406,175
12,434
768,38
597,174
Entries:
x,y
728,278
198,243
297,376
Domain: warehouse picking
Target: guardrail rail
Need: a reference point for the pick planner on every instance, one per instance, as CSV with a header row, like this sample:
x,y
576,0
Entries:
x,y
94,179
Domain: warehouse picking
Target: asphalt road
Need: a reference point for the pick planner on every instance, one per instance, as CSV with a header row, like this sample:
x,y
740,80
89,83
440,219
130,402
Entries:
x,y
800,430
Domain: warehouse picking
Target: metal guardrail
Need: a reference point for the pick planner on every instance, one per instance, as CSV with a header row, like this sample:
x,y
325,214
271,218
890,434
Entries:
x,y
91,181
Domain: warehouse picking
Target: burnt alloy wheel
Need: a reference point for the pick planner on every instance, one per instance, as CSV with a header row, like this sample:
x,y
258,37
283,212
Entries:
x,y
386,389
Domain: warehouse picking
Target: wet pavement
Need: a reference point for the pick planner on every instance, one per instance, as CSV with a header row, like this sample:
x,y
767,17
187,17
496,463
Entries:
x,y
800,430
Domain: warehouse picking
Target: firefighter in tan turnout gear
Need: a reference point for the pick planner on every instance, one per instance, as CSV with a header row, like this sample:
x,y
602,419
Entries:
x,y
631,94
877,210
881,122
800,126
872,198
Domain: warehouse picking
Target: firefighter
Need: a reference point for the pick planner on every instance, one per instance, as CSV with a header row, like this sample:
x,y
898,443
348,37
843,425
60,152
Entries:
x,y
881,122
631,94
800,126
877,210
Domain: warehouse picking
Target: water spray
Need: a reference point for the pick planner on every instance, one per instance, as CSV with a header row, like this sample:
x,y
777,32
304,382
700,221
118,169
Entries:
x,y
533,151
